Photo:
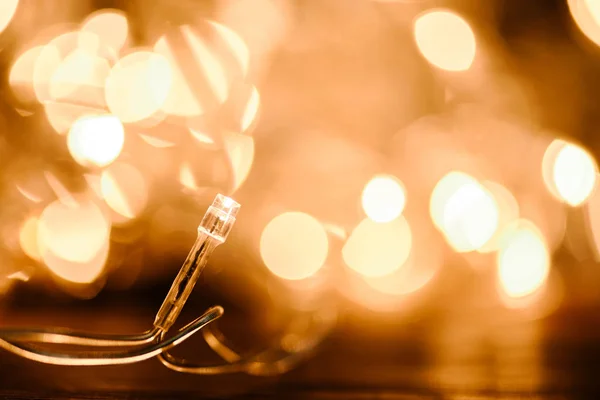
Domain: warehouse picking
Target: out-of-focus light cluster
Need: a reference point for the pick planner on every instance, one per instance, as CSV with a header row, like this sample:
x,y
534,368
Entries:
x,y
134,113
464,211
473,216
294,245
445,39
383,199
569,171
523,260
128,114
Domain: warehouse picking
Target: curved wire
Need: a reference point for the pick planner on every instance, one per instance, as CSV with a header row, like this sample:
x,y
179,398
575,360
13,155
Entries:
x,y
273,361
282,363
115,357
76,338
212,231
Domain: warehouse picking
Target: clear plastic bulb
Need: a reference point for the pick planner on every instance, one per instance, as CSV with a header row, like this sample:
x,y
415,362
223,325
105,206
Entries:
x,y
212,231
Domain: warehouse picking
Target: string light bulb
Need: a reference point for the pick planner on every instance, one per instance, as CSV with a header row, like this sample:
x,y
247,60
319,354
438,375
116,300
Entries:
x,y
110,349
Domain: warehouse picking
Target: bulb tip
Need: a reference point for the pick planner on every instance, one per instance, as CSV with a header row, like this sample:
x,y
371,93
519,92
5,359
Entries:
x,y
226,205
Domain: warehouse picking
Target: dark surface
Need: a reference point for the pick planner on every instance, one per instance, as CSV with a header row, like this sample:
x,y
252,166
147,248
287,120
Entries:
x,y
484,353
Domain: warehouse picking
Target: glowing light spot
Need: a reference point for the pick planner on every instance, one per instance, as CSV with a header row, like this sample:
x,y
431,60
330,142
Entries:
x,y
240,149
569,172
383,198
138,85
62,115
29,195
209,64
74,240
251,110
28,238
181,100
443,190
586,15
124,189
96,140
236,45
523,260
593,220
186,177
294,246
79,70
110,25
156,142
336,231
19,276
8,8
464,211
378,249
201,136
61,192
508,212
192,94
445,40
85,65
21,75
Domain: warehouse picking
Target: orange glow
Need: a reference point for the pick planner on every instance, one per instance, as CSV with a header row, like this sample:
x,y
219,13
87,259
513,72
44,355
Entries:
x,y
62,115
180,100
138,85
569,172
124,189
29,195
445,40
523,260
201,136
336,230
186,177
593,221
21,75
464,211
208,63
78,70
156,142
243,16
110,25
404,281
96,140
251,110
8,8
22,276
74,240
28,238
294,246
236,45
240,149
377,249
52,57
183,99
443,190
508,212
383,198
61,192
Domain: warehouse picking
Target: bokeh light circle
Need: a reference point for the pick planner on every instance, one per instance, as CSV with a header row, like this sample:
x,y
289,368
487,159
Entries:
x,y
294,246
383,198
138,85
96,140
523,260
445,40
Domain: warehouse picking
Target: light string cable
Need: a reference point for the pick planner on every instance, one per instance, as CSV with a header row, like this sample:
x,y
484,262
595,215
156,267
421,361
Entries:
x,y
298,342
126,349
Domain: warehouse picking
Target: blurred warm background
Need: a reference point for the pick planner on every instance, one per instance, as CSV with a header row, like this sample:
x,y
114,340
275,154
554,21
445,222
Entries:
x,y
398,160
